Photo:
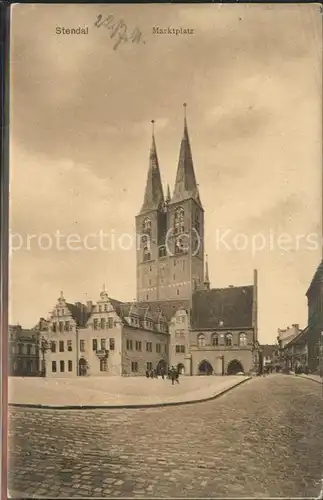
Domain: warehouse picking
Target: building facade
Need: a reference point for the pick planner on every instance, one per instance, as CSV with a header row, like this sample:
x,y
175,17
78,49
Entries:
x,y
23,352
177,319
315,321
103,339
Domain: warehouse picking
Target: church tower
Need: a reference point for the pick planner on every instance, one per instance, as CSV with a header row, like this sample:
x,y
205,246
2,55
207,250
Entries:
x,y
184,269
170,256
150,230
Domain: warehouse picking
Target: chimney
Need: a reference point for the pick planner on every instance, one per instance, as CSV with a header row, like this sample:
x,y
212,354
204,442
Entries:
x,y
89,306
296,326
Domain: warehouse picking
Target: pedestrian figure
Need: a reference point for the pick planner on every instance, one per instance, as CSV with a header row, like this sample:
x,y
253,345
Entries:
x,y
151,374
147,373
173,375
177,376
163,375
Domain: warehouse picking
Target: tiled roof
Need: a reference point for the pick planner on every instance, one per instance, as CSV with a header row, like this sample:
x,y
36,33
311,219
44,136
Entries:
x,y
317,278
168,307
300,338
80,315
232,306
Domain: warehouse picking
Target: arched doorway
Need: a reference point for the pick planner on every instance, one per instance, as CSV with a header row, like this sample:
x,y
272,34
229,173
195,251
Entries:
x,y
82,367
161,367
181,368
234,367
205,368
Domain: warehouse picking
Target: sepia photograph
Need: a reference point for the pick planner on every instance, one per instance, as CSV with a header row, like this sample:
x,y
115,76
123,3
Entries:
x,y
165,334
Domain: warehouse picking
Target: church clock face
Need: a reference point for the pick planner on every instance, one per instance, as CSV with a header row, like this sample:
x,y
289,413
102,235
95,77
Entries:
x,y
196,242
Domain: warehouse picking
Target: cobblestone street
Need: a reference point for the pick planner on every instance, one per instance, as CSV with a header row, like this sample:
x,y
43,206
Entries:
x,y
262,439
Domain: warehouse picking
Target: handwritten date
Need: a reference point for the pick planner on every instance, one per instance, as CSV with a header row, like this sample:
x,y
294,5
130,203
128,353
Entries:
x,y
118,30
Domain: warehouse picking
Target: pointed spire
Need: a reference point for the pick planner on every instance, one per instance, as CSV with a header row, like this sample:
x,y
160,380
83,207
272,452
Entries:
x,y
185,184
206,279
154,195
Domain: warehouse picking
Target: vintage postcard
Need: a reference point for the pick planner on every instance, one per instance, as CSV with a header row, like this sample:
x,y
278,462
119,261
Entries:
x,y
166,273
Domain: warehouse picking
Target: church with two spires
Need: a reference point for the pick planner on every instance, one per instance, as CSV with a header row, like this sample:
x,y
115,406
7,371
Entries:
x,y
178,319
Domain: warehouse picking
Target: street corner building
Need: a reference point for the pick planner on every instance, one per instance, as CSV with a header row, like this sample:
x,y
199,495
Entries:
x,y
177,319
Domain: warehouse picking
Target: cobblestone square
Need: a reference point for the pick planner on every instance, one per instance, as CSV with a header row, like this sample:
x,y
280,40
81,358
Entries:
x,y
262,439
115,391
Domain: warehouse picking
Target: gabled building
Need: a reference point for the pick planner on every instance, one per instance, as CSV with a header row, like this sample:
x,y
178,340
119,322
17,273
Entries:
x,y
211,330
106,338
315,319
23,351
177,318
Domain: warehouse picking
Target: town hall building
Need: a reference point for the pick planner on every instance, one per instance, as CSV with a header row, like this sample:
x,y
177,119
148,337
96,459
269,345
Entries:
x,y
184,322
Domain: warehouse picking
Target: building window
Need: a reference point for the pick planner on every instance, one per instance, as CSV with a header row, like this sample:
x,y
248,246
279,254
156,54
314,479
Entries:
x,y
94,345
62,365
54,366
179,220
201,340
103,344
147,297
146,255
28,349
82,345
112,344
215,340
149,365
134,366
138,345
228,339
53,346
70,366
69,345
61,346
129,345
95,324
162,251
149,346
110,322
177,291
61,326
166,348
243,339
67,326
100,308
146,226
158,348
102,325
180,348
103,365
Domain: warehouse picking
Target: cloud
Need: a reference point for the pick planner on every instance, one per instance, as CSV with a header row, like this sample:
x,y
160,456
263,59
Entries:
x,y
81,129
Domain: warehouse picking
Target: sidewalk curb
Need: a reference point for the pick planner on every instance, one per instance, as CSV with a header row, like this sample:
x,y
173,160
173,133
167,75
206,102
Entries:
x,y
120,407
309,378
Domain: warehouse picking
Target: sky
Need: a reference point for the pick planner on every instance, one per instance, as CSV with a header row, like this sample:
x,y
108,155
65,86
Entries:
x,y
81,114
